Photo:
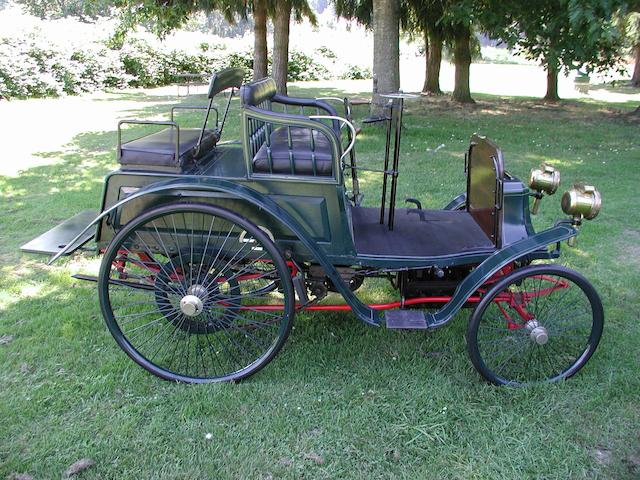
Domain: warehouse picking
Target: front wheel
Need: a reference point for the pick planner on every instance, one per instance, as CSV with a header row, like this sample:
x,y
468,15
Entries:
x,y
185,291
539,324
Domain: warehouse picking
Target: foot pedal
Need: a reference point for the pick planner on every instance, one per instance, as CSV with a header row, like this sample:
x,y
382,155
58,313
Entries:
x,y
406,319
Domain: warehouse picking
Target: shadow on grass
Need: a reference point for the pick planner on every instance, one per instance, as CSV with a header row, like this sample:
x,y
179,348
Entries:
x,y
69,392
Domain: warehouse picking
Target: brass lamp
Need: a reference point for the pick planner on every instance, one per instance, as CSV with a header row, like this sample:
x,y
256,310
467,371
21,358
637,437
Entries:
x,y
544,179
581,202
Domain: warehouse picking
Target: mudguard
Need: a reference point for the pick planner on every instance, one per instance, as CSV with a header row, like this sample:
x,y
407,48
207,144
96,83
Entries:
x,y
561,231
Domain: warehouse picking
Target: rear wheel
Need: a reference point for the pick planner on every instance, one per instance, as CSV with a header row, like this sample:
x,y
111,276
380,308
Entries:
x,y
185,290
539,324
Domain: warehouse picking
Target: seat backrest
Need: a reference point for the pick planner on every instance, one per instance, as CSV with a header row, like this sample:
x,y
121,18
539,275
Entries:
x,y
228,78
225,79
258,93
485,176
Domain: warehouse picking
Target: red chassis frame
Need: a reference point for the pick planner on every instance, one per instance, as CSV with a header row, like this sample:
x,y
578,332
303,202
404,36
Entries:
x,y
516,301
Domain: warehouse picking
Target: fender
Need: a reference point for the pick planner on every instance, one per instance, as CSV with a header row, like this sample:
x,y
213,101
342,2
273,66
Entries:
x,y
363,312
561,231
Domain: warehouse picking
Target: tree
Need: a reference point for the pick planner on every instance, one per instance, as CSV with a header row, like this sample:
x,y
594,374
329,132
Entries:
x,y
281,25
281,11
457,20
386,44
450,22
423,17
162,18
383,16
260,62
631,30
83,10
560,34
462,60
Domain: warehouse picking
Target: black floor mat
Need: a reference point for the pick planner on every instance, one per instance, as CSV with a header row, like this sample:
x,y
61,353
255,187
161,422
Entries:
x,y
424,233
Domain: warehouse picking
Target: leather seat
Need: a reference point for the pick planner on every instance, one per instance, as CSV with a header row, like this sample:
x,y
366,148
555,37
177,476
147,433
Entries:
x,y
287,145
301,151
159,149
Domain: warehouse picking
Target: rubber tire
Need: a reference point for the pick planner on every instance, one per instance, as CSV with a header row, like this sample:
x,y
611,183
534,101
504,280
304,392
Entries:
x,y
285,283
578,279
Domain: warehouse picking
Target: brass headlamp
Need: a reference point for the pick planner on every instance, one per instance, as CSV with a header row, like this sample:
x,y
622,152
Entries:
x,y
581,202
544,179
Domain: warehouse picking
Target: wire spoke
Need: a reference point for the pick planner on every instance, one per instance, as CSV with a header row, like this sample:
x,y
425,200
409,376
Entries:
x,y
200,314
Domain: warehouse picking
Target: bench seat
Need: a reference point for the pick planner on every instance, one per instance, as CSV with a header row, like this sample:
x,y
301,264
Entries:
x,y
159,149
299,149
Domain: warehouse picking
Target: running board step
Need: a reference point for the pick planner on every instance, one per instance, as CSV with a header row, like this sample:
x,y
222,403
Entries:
x,y
406,319
58,237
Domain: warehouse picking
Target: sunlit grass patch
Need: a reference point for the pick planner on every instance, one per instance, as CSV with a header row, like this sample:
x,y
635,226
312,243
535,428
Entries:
x,y
371,403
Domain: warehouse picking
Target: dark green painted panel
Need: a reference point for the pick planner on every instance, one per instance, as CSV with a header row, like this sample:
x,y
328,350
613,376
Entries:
x,y
54,240
311,212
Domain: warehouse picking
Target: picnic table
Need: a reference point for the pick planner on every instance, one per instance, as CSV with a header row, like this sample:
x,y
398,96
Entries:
x,y
191,79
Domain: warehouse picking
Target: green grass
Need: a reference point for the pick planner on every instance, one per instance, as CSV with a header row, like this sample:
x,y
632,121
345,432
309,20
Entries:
x,y
342,400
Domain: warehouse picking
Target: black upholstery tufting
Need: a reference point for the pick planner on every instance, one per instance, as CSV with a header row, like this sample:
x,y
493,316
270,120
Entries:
x,y
159,149
301,152
288,150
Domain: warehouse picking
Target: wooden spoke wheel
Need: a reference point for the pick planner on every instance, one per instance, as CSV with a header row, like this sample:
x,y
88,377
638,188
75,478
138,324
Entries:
x,y
187,292
539,324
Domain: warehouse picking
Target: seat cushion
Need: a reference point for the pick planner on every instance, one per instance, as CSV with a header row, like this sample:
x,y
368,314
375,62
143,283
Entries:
x,y
300,149
158,149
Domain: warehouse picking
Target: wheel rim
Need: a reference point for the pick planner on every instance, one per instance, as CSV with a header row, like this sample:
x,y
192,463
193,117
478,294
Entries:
x,y
189,301
538,326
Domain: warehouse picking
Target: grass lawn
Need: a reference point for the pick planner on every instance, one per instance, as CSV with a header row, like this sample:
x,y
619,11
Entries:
x,y
342,400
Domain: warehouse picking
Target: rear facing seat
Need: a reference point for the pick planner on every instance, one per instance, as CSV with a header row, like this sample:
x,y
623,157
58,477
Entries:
x,y
159,149
288,149
176,149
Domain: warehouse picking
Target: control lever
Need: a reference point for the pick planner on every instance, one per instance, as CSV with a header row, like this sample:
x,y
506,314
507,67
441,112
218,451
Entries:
x,y
415,201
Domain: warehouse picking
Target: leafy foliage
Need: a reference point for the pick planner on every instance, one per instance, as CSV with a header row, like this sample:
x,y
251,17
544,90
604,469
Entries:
x,y
84,10
561,34
31,67
302,67
356,72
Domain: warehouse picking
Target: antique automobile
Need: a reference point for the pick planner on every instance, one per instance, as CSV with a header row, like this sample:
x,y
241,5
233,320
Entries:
x,y
209,247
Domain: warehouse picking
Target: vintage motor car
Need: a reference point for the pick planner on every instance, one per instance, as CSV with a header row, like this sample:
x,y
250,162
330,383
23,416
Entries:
x,y
210,247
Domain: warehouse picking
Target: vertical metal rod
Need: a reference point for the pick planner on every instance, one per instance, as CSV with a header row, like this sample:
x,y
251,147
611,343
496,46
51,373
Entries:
x,y
352,153
396,161
388,119
204,126
226,110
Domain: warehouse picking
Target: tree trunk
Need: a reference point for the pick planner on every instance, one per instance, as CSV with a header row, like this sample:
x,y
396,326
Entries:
x,y
386,49
259,39
552,84
635,78
434,60
462,60
280,67
386,45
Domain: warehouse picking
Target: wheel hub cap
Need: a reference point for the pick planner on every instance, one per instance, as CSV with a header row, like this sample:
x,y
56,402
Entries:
x,y
191,305
197,290
537,333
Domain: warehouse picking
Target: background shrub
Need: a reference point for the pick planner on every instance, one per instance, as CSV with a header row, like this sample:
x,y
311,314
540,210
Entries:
x,y
302,68
31,67
356,72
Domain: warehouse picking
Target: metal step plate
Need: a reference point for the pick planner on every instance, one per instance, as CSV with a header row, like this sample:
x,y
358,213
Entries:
x,y
406,319
56,239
